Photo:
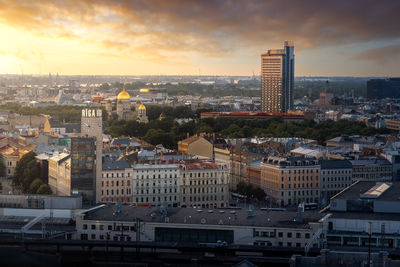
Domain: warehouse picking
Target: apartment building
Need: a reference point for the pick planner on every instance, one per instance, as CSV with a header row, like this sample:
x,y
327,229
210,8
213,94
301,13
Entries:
x,y
116,181
204,184
196,145
336,175
241,156
372,170
291,180
60,174
156,184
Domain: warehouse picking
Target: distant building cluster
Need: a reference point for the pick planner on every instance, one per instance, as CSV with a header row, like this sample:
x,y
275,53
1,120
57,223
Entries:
x,y
312,195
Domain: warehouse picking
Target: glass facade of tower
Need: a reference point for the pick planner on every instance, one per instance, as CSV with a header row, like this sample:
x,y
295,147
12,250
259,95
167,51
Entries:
x,y
83,168
277,79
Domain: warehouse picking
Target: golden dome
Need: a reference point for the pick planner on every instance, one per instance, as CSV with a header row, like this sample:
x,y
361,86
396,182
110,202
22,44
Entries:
x,y
123,95
142,107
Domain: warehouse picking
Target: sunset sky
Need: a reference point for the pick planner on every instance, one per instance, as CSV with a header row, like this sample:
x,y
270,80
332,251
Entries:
x,y
172,37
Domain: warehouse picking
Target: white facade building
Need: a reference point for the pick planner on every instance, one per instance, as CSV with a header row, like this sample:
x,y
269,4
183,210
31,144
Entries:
x,y
156,184
204,185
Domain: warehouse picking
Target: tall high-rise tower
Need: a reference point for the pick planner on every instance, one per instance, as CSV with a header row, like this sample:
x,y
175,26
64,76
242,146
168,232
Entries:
x,y
83,169
92,125
277,79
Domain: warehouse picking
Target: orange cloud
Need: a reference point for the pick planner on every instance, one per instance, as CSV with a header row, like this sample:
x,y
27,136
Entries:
x,y
171,31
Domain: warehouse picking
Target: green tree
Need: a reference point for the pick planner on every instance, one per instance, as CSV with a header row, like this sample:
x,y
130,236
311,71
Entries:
x,y
156,137
259,194
27,170
250,191
241,187
115,130
2,167
204,128
44,189
35,185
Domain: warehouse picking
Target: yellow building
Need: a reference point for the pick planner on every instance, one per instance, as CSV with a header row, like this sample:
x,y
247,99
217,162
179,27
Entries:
x,y
291,180
196,145
11,154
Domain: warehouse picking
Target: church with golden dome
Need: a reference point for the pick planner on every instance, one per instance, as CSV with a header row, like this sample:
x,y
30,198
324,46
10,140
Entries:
x,y
141,115
124,110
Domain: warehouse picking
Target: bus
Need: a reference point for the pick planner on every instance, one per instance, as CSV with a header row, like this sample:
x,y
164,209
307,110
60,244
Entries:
x,y
310,206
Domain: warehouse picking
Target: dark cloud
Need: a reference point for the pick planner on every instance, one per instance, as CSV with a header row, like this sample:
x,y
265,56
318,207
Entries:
x,y
212,28
387,55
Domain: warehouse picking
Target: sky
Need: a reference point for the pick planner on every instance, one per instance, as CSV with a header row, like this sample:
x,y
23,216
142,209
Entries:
x,y
182,37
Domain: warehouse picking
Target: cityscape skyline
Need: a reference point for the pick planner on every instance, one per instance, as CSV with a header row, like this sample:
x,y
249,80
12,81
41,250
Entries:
x,y
199,133
101,38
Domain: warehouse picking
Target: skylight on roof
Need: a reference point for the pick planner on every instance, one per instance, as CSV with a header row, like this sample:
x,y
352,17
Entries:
x,y
376,191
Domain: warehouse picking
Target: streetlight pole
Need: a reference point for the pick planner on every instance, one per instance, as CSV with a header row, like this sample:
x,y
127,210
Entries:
x,y
369,231
122,238
107,237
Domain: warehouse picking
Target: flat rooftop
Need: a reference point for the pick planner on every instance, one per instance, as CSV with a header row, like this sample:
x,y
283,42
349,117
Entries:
x,y
361,190
365,216
238,217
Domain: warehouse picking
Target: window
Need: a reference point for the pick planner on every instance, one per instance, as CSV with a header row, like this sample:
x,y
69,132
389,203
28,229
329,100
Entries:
x,y
298,235
84,227
307,235
109,227
280,234
289,234
93,227
93,236
101,227
289,244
